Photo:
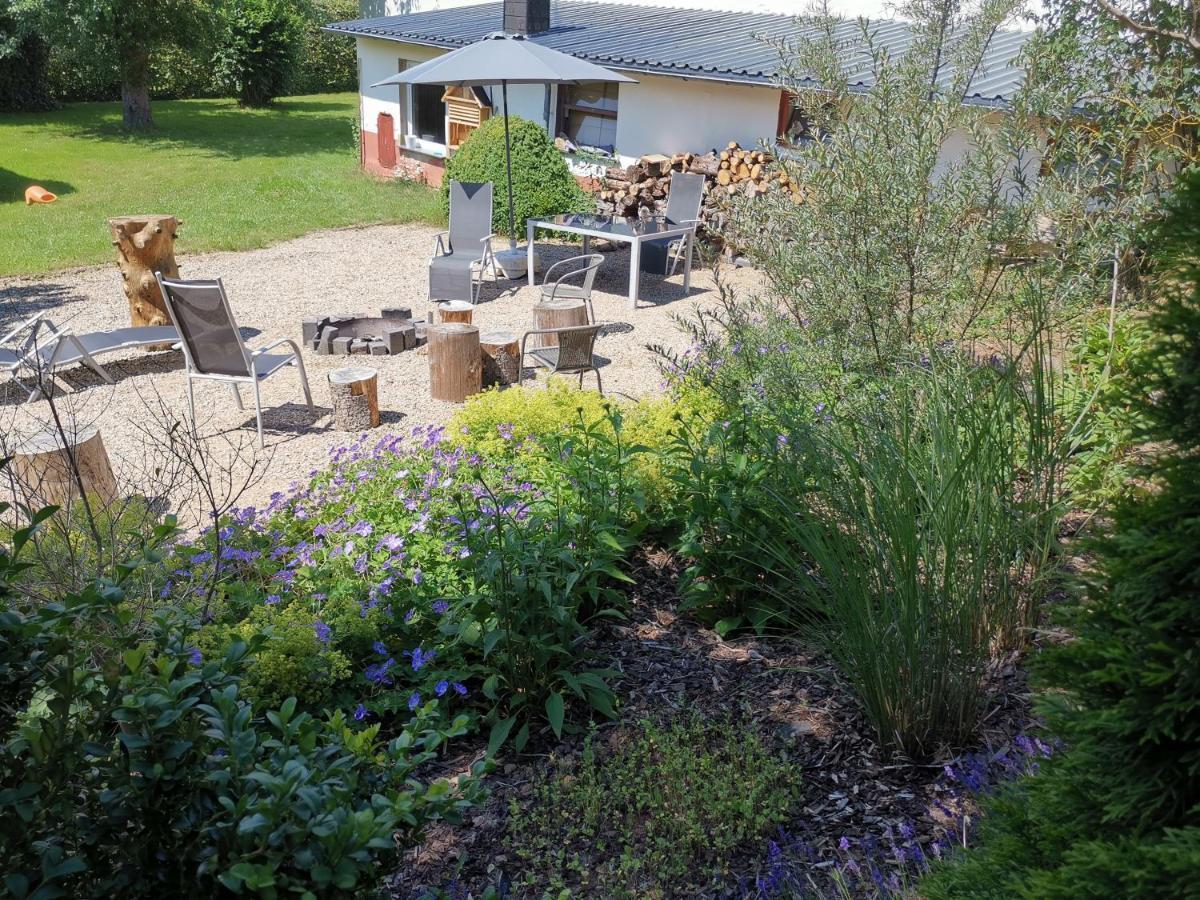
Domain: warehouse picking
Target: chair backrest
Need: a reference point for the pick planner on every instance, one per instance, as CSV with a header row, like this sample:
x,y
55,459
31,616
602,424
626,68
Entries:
x,y
684,197
470,215
575,346
211,341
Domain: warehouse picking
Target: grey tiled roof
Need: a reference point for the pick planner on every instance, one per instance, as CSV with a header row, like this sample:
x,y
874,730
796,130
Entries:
x,y
720,46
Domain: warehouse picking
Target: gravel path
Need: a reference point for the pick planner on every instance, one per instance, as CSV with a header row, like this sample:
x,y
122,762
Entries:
x,y
271,291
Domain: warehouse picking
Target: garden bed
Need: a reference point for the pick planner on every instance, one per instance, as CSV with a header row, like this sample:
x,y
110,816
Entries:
x,y
858,814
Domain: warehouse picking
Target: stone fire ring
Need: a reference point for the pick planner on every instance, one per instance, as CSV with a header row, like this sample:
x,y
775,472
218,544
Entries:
x,y
392,331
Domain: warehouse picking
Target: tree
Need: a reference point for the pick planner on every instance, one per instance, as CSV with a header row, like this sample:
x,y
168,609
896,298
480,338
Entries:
x,y
257,50
23,59
1115,814
131,32
898,243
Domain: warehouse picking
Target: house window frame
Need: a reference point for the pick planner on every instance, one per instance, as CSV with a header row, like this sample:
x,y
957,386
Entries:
x,y
562,108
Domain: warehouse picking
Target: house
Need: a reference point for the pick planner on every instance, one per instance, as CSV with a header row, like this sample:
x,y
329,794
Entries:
x,y
704,78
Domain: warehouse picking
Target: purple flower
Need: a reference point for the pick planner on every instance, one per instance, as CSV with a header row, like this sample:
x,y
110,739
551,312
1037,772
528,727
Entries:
x,y
322,631
380,648
844,844
272,599
420,658
377,673
441,688
441,607
417,576
414,700
460,689
201,558
506,431
360,713
194,656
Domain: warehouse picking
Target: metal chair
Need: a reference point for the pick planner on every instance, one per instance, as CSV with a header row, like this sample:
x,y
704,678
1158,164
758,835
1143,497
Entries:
x,y
463,253
685,195
573,355
213,348
585,267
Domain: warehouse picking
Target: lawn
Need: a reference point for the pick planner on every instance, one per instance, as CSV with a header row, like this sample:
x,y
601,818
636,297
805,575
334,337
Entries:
x,y
238,178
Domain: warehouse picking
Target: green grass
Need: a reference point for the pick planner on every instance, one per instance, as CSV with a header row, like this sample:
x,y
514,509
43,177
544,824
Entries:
x,y
238,178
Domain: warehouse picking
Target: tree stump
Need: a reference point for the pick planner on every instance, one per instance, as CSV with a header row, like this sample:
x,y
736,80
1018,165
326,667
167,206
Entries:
x,y
456,311
562,313
455,363
145,245
41,467
354,396
501,358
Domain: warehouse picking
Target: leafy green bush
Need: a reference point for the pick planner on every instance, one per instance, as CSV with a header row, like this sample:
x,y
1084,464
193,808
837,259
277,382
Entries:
x,y
130,763
24,59
659,806
542,183
328,62
257,52
1115,814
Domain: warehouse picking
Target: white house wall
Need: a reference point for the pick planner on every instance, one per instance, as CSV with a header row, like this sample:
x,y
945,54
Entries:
x,y
672,115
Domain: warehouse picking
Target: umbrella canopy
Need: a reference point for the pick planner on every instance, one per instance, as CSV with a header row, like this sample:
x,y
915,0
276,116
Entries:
x,y
504,59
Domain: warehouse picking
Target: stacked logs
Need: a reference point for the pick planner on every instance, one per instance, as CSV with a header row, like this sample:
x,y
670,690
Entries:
x,y
641,189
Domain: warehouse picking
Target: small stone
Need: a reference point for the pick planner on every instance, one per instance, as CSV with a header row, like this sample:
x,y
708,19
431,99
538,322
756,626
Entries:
x,y
397,312
358,345
379,348
793,730
393,338
341,345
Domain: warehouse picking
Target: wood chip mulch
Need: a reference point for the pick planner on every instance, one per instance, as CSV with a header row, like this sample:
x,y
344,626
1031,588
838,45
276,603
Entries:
x,y
671,665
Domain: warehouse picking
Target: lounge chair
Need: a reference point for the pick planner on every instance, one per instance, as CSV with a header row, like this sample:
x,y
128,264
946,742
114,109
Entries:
x,y
40,356
574,354
684,198
213,348
582,267
462,254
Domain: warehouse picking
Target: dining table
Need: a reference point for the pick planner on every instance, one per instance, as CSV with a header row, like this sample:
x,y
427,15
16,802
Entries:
x,y
632,230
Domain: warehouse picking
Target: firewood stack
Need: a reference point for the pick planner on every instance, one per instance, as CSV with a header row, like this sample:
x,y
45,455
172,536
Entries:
x,y
641,189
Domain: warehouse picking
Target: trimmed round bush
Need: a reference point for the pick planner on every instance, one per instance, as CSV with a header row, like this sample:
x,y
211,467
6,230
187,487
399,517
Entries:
x,y
542,183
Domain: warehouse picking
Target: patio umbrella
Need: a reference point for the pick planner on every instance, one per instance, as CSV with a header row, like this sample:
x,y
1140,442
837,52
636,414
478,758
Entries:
x,y
504,59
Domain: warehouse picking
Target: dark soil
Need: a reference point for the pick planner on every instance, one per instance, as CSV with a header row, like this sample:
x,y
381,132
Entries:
x,y
849,787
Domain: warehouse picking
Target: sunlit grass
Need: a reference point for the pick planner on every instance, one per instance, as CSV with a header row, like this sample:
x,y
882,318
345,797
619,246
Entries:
x,y
238,178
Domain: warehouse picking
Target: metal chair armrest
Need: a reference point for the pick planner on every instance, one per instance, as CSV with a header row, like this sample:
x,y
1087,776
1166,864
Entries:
x,y
271,346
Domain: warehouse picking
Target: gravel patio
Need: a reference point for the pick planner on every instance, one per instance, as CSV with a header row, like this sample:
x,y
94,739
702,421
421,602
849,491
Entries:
x,y
360,270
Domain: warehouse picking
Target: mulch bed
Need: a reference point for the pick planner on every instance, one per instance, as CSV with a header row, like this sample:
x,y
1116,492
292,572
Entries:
x,y
849,788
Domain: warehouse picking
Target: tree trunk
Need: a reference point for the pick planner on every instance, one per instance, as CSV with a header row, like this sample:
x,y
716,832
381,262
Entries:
x,y
501,358
135,93
455,362
145,245
354,395
44,474
557,313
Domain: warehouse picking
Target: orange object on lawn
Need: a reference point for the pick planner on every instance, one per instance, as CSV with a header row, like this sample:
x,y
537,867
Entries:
x,y
37,194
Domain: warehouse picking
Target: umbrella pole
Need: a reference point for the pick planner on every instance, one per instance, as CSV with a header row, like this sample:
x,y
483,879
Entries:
x,y
512,219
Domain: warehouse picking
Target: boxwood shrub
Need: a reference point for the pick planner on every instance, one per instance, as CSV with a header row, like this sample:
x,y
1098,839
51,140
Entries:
x,y
542,183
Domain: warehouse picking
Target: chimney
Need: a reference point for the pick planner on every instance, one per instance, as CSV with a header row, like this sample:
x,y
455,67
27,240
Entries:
x,y
526,16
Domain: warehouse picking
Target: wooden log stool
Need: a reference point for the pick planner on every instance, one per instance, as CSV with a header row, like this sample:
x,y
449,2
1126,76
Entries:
x,y
455,363
456,311
354,396
41,467
145,245
501,358
558,313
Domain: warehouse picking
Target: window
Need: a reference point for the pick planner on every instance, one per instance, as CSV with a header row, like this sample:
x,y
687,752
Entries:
x,y
429,112
587,114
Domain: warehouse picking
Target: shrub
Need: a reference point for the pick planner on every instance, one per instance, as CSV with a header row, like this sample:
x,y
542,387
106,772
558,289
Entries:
x,y
257,53
24,60
133,765
663,805
1115,814
542,183
327,62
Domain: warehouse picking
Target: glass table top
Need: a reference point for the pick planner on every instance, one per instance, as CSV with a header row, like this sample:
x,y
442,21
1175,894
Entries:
x,y
617,226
